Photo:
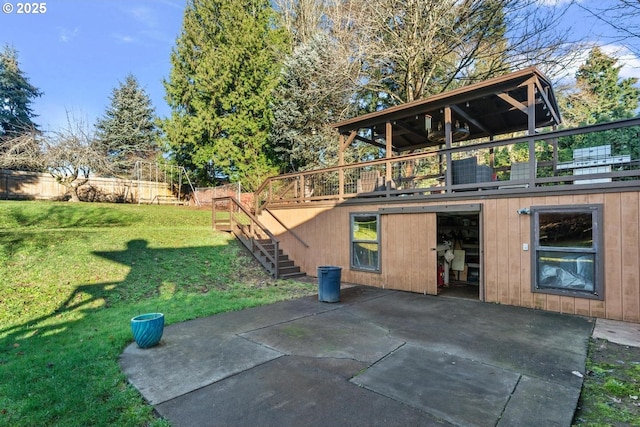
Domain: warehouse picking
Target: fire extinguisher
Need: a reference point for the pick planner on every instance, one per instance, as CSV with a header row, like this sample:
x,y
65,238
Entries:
x,y
440,275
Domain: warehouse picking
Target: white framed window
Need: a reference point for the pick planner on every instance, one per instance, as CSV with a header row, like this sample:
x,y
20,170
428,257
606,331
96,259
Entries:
x,y
365,241
567,250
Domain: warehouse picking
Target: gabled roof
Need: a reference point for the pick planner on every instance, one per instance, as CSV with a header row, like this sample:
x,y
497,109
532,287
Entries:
x,y
493,107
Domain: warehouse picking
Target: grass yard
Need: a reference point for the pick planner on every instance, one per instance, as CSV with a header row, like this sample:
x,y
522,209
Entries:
x,y
73,275
611,388
71,278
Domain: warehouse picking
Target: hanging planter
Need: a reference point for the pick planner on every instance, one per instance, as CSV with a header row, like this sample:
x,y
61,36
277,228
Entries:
x,y
147,329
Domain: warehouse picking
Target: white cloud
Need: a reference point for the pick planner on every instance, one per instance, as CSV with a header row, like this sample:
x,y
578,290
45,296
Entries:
x,y
176,4
144,15
65,35
124,38
552,3
146,22
630,62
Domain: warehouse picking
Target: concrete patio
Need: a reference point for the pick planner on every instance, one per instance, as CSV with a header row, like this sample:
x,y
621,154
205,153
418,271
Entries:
x,y
376,358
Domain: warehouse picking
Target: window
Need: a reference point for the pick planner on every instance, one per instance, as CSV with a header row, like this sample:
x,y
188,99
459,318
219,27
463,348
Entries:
x,y
365,242
566,256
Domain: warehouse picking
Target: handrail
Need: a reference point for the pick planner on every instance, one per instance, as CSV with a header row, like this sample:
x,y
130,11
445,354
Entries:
x,y
263,201
294,234
251,233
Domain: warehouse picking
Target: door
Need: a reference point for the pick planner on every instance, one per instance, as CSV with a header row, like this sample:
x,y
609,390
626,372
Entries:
x,y
408,256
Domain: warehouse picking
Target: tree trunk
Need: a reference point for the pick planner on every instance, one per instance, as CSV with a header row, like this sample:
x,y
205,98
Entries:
x,y
74,194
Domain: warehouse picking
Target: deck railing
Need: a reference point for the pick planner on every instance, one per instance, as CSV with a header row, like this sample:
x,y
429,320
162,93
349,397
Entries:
x,y
604,155
228,214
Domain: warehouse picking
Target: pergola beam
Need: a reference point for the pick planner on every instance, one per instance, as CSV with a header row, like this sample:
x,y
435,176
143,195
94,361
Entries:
x,y
370,141
547,102
469,119
418,132
513,102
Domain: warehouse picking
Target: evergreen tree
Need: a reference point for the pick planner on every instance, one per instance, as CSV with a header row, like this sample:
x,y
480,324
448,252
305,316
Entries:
x,y
599,77
224,68
600,95
127,131
309,98
16,96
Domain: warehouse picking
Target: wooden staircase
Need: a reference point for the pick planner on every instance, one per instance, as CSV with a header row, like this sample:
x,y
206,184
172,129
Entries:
x,y
286,267
229,215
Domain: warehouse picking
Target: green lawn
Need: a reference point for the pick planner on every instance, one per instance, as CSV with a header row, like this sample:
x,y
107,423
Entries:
x,y
73,275
71,278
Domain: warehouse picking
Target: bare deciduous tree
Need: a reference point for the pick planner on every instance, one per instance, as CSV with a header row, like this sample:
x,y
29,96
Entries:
x,y
22,152
623,17
410,49
301,18
423,47
70,154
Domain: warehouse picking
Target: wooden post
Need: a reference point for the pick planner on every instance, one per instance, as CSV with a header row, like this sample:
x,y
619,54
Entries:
x,y
389,154
447,144
531,127
341,149
213,212
554,144
276,261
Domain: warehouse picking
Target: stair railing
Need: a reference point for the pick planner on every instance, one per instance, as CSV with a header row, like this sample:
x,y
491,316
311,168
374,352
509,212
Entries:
x,y
246,227
273,188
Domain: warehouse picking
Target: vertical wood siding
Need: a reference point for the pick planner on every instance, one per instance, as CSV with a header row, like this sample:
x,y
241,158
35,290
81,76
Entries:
x,y
506,270
412,264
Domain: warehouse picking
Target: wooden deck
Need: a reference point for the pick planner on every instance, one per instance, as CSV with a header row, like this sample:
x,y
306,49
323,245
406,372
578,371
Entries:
x,y
313,227
424,174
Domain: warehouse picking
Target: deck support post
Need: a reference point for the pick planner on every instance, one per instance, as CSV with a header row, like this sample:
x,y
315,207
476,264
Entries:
x,y
341,149
447,142
389,154
531,125
343,144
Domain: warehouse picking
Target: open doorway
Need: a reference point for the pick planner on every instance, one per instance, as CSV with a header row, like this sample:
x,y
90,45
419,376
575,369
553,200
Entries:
x,y
459,260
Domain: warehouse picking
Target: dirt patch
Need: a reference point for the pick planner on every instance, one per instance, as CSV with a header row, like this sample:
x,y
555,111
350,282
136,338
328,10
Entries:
x,y
611,389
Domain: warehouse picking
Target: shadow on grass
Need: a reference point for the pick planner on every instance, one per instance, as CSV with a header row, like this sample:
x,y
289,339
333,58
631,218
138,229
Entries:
x,y
153,273
23,240
65,216
60,368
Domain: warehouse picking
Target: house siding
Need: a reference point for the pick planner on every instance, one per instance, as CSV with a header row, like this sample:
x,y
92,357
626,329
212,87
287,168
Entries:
x,y
506,272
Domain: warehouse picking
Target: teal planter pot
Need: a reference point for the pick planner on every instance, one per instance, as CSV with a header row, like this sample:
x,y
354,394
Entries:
x,y
147,329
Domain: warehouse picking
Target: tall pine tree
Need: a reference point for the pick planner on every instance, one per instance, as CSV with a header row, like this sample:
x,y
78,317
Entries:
x,y
127,131
16,96
599,76
600,95
224,68
308,99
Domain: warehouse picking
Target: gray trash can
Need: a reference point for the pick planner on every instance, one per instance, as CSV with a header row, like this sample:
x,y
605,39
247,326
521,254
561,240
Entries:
x,y
329,283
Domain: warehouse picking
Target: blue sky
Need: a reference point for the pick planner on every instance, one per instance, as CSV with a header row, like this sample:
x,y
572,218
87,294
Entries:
x,y
78,51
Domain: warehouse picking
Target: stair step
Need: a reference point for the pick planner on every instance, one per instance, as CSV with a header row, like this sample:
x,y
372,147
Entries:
x,y
286,266
292,275
290,269
269,246
255,238
282,258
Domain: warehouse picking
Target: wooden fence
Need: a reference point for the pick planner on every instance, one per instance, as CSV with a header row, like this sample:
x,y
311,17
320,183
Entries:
x,y
23,185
